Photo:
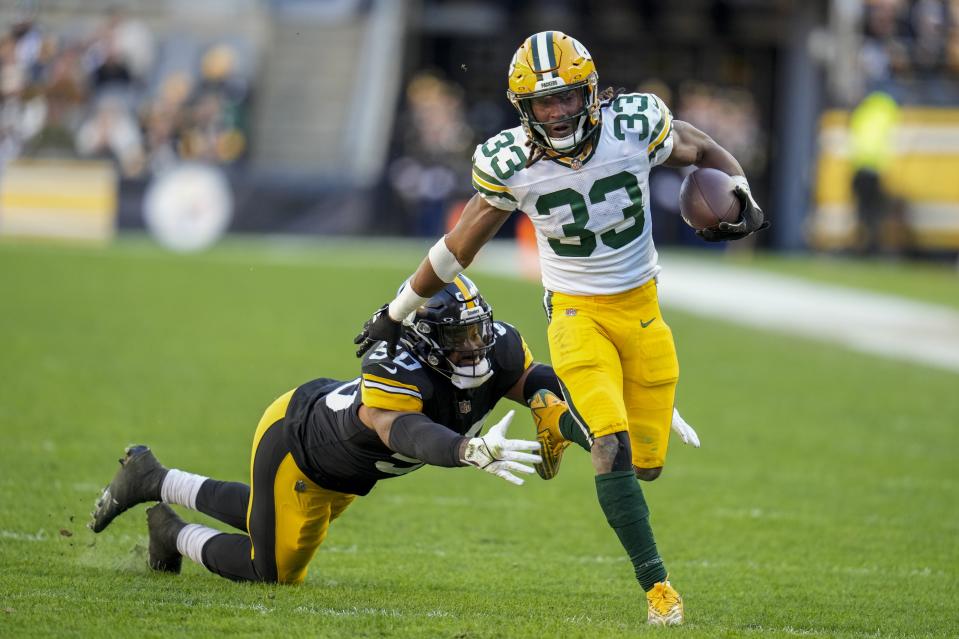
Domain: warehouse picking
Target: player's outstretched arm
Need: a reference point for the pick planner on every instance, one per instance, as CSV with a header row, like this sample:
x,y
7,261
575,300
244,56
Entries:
x,y
693,147
448,258
416,435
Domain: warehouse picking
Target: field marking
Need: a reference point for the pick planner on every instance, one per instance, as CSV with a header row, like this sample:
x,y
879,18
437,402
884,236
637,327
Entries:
x,y
868,322
17,535
875,323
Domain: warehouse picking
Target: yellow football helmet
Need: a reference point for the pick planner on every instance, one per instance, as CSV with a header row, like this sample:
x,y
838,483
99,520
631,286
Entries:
x,y
553,62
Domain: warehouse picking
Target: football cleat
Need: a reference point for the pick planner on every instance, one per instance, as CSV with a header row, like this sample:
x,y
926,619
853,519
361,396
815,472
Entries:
x,y
547,408
665,605
138,480
164,525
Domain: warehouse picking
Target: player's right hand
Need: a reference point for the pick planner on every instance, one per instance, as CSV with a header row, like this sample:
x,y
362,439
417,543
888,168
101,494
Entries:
x,y
751,220
380,327
500,456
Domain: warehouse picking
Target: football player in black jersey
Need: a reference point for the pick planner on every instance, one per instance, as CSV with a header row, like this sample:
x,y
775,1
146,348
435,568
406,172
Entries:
x,y
324,443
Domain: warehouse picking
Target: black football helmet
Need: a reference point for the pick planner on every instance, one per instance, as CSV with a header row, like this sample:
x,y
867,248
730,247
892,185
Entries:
x,y
452,333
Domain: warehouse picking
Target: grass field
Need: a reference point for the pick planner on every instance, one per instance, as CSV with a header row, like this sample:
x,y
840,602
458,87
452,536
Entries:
x,y
823,502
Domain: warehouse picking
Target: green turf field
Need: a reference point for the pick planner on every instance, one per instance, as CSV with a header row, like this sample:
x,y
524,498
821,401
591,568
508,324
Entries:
x,y
823,502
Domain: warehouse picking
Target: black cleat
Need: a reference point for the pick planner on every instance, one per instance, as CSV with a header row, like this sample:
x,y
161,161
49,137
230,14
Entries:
x,y
164,525
138,480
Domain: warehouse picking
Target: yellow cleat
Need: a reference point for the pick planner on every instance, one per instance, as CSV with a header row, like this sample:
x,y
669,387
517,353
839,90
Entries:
x,y
547,409
665,605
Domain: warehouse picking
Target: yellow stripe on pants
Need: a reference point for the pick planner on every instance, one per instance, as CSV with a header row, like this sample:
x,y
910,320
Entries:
x,y
302,509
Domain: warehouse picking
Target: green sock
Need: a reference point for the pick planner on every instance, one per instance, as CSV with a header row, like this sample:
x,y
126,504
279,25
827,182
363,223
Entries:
x,y
572,431
622,501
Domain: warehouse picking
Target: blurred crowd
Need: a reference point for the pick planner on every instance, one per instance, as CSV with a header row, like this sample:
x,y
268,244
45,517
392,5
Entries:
x,y
911,49
108,90
434,143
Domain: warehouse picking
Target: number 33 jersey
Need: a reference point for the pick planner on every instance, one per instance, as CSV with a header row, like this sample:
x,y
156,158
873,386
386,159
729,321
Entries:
x,y
593,225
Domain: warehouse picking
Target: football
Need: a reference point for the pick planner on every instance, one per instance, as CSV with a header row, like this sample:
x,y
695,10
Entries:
x,y
706,198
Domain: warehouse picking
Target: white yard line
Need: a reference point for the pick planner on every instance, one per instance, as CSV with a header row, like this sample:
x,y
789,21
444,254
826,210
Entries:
x,y
873,323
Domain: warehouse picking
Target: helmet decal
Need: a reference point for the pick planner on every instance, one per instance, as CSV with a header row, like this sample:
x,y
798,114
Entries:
x,y
580,49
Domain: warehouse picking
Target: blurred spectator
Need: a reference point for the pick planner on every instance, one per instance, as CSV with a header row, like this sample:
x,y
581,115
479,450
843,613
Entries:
x,y
122,48
729,116
22,110
112,131
214,125
112,72
162,121
27,44
871,128
66,94
435,143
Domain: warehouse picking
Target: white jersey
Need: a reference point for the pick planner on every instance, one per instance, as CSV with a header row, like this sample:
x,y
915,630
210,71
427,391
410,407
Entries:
x,y
593,224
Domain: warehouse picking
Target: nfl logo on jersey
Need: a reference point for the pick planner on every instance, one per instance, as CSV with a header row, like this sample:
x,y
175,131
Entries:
x,y
465,406
571,312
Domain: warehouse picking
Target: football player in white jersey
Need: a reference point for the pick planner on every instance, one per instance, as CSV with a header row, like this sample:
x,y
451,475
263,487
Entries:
x,y
578,165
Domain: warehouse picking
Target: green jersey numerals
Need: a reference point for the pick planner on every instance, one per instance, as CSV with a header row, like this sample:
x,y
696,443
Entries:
x,y
630,116
512,161
577,203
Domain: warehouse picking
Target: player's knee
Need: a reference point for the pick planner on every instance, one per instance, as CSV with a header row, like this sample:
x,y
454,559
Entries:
x,y
611,453
647,474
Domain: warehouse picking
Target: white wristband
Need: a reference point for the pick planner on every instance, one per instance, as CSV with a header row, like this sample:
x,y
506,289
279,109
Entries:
x,y
405,303
444,262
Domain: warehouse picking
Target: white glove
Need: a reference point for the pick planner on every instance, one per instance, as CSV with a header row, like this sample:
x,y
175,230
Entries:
x,y
500,456
684,430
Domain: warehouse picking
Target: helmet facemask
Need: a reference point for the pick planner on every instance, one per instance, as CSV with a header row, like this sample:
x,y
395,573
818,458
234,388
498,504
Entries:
x,y
585,121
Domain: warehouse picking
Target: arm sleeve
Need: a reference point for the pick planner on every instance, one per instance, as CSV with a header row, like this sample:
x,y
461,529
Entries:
x,y
416,435
541,377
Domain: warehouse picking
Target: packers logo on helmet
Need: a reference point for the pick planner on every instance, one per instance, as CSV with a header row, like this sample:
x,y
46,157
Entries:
x,y
552,62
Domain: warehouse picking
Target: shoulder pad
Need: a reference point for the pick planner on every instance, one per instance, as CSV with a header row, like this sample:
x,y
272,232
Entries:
x,y
511,348
495,162
645,116
399,384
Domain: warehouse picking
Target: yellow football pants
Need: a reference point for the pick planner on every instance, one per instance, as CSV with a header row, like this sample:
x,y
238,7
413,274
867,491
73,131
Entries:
x,y
616,359
288,515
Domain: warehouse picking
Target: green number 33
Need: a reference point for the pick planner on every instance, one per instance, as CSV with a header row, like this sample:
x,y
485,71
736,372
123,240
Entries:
x,y
577,204
514,160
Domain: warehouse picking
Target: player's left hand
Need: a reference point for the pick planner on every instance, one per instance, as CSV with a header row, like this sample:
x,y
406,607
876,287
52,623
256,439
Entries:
x,y
684,430
751,219
500,456
380,327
